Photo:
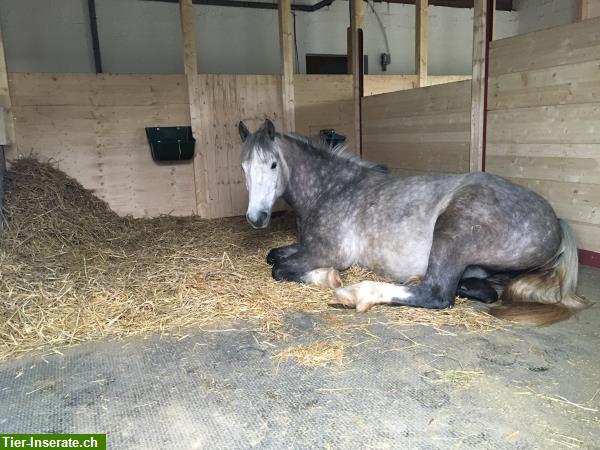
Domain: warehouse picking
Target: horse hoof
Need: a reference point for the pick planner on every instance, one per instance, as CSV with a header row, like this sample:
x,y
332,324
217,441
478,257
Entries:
x,y
334,279
349,299
360,296
344,297
328,278
272,257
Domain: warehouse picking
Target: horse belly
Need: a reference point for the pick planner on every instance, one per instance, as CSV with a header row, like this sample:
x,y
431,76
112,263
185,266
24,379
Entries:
x,y
397,258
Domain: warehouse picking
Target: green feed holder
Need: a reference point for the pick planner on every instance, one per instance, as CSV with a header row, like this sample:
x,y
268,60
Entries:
x,y
168,144
331,138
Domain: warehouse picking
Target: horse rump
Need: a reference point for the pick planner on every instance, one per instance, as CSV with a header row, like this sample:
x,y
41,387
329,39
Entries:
x,y
547,294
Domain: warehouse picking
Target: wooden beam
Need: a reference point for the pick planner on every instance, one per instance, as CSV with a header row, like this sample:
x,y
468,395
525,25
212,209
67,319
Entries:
x,y
190,61
357,18
286,42
493,14
202,168
584,9
421,41
478,86
5,102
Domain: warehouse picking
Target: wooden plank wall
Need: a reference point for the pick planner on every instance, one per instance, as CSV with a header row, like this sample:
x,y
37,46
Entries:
x,y
93,127
326,101
227,100
382,84
544,120
419,131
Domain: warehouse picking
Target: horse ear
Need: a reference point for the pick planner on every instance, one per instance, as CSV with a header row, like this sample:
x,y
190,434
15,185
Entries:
x,y
270,127
244,132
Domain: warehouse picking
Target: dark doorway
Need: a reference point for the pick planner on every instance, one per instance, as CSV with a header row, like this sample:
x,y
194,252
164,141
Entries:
x,y
330,64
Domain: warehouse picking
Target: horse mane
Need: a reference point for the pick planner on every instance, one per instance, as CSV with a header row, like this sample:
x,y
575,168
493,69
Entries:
x,y
338,152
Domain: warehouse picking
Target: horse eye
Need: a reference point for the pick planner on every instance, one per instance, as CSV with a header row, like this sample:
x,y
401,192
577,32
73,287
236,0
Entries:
x,y
274,165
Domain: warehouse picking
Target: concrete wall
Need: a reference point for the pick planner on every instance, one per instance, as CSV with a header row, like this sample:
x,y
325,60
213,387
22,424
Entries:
x,y
144,37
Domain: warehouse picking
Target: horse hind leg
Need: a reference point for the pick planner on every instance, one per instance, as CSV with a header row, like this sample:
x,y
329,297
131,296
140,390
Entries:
x,y
478,289
436,290
457,236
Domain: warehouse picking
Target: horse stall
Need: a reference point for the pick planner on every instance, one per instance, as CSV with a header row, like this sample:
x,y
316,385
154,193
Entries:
x,y
137,306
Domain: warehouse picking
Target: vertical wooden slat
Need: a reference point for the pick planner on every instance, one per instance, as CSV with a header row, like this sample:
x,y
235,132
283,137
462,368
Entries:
x,y
583,9
493,24
356,24
421,40
204,167
5,101
286,40
478,85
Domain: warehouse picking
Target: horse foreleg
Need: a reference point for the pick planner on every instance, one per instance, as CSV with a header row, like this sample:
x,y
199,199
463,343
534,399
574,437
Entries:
x,y
305,268
278,254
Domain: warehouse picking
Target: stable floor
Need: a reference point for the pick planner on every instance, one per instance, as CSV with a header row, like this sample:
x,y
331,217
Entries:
x,y
397,387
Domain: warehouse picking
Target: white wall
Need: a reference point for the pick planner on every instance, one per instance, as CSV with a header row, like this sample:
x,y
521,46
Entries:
x,y
46,36
139,37
144,37
539,14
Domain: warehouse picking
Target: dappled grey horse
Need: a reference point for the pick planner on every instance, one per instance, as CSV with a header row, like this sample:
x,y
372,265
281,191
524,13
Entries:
x,y
454,233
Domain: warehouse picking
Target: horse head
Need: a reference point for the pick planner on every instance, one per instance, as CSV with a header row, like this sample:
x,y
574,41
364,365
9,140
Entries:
x,y
264,171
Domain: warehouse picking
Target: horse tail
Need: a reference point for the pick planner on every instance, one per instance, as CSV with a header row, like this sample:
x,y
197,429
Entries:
x,y
547,294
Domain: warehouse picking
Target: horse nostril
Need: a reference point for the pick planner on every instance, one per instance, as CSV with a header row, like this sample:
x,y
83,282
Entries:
x,y
263,216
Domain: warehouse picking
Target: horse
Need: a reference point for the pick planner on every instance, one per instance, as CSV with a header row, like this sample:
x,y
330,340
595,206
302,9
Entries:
x,y
455,234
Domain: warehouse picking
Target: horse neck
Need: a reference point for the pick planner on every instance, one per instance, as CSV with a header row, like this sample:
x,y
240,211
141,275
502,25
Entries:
x,y
310,175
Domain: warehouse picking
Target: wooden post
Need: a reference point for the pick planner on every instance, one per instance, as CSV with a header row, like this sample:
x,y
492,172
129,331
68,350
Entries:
x,y
6,104
421,40
478,83
584,9
204,162
286,40
356,24
493,24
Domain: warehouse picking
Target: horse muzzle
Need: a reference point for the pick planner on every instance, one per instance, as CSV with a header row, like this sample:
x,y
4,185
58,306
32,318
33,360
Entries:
x,y
260,220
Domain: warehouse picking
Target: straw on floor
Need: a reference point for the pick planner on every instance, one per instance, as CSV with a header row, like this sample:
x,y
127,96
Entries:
x,y
71,271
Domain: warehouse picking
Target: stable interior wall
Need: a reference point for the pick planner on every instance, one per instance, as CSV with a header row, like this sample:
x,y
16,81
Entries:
x,y
227,100
92,126
145,37
419,131
544,120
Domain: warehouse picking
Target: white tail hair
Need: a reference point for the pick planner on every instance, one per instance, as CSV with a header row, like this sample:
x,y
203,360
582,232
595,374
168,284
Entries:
x,y
548,294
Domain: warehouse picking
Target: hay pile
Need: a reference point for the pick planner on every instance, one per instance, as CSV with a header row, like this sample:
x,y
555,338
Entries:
x,y
71,270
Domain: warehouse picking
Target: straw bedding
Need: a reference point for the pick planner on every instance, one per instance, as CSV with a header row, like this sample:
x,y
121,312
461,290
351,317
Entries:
x,y
71,271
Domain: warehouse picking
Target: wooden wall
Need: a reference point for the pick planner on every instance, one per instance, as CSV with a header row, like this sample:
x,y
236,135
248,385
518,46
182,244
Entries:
x,y
419,131
325,102
227,99
382,84
544,120
93,127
